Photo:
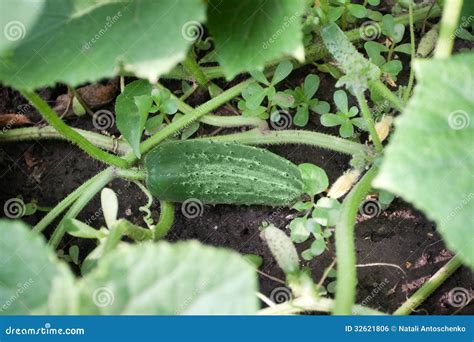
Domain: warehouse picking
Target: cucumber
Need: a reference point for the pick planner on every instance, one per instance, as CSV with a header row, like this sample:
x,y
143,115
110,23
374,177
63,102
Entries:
x,y
221,173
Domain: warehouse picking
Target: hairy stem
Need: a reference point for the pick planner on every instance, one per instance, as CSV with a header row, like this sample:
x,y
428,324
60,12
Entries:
x,y
370,121
99,181
411,78
429,287
65,203
194,69
380,88
48,132
257,137
449,22
166,220
345,247
54,120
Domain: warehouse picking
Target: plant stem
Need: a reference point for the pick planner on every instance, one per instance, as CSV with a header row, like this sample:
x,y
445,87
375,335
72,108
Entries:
x,y
429,287
94,186
411,78
257,137
316,304
70,134
48,132
194,69
132,174
382,89
166,220
370,121
345,249
61,206
189,118
449,22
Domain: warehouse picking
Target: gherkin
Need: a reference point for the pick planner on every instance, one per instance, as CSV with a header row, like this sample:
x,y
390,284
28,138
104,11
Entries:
x,y
221,173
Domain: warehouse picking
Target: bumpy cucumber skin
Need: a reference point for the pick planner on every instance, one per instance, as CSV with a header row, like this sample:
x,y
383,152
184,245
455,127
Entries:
x,y
221,173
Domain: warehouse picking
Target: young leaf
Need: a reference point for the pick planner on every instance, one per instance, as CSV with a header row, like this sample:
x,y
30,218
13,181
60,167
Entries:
x,y
326,212
315,179
299,233
301,117
281,72
30,269
82,41
357,10
181,279
248,33
79,229
433,139
131,110
311,85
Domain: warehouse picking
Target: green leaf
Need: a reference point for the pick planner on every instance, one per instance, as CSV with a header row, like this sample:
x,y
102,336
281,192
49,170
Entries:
x,y
259,76
131,110
301,206
430,157
320,107
299,233
326,212
248,33
301,117
374,2
330,120
318,247
109,203
347,129
74,254
392,67
374,50
163,279
33,281
315,179
357,11
311,85
403,48
391,29
283,100
340,99
281,72
80,41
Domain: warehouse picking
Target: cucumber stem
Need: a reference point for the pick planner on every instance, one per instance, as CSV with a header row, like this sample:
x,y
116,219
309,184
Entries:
x,y
258,137
370,121
345,246
411,78
194,69
54,120
48,132
449,23
165,221
429,287
94,186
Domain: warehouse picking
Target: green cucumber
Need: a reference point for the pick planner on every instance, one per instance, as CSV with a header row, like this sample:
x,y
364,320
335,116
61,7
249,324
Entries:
x,y
221,173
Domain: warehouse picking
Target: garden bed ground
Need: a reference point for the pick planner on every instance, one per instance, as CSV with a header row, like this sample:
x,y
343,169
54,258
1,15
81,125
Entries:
x,y
48,170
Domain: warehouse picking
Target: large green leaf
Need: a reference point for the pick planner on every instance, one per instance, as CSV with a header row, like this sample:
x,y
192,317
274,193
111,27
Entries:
x,y
32,280
83,40
249,33
166,279
430,160
131,110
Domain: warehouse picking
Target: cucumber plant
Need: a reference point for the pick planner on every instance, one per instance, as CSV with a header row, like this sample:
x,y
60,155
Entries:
x,y
423,161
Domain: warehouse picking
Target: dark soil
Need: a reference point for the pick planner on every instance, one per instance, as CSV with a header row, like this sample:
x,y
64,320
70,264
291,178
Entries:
x,y
400,235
